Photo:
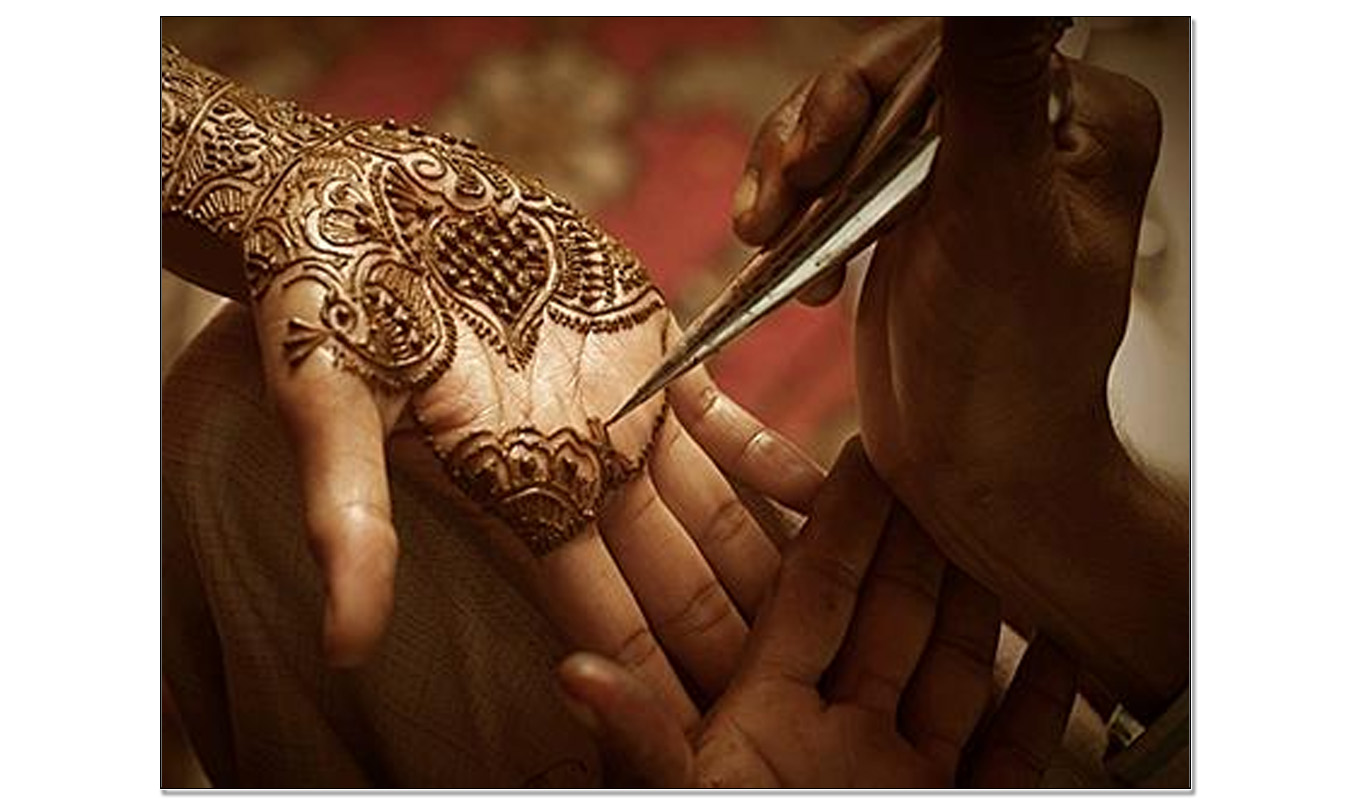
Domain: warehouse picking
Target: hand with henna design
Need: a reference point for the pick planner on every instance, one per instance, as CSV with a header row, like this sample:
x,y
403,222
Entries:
x,y
412,293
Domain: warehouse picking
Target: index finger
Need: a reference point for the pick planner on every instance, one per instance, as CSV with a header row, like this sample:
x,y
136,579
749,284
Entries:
x,y
804,142
847,93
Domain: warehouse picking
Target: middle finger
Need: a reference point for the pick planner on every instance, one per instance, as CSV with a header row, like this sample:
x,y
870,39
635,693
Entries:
x,y
702,500
683,599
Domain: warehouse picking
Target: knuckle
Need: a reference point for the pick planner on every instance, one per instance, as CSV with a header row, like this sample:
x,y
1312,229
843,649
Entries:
x,y
694,404
877,686
708,398
704,610
359,530
919,580
640,513
964,654
646,508
776,128
942,750
757,447
1122,120
1141,123
831,579
637,649
841,96
729,522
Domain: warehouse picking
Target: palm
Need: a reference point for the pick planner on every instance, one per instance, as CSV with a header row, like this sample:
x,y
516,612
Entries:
x,y
835,746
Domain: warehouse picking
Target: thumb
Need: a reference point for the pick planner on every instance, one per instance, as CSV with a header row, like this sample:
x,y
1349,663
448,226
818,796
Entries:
x,y
336,429
641,740
994,79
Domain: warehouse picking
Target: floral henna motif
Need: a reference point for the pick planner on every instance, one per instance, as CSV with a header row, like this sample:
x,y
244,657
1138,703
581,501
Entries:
x,y
545,487
409,236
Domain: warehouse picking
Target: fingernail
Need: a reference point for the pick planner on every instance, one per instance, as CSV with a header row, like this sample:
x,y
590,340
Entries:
x,y
746,193
796,144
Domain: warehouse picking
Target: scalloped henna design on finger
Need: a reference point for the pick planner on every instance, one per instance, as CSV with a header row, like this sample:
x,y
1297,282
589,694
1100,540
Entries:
x,y
545,487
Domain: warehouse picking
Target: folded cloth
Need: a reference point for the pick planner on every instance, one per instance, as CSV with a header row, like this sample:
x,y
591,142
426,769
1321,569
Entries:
x,y
460,693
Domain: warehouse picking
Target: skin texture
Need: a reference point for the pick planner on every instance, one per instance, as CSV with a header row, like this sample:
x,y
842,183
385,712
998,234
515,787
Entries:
x,y
870,666
419,302
987,326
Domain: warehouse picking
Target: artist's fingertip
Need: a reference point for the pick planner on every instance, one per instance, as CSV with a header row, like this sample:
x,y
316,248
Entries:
x,y
745,228
812,297
749,228
823,290
763,222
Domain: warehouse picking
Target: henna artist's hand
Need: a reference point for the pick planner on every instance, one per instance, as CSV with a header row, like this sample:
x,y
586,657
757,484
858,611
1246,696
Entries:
x,y
870,666
409,290
988,323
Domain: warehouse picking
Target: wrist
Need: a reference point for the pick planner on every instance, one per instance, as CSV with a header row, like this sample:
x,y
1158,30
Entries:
x,y
223,150
1120,592
1090,547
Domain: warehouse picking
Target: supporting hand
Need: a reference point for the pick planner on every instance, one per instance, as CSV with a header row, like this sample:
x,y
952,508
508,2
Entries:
x,y
870,666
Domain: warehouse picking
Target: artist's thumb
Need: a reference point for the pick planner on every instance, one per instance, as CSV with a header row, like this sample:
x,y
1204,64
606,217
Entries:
x,y
994,80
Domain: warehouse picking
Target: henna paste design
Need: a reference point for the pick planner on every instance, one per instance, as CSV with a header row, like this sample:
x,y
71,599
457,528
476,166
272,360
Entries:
x,y
405,232
408,236
545,487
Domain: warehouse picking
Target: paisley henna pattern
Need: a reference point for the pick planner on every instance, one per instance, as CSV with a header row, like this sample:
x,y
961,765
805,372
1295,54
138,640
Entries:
x,y
399,227
409,236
